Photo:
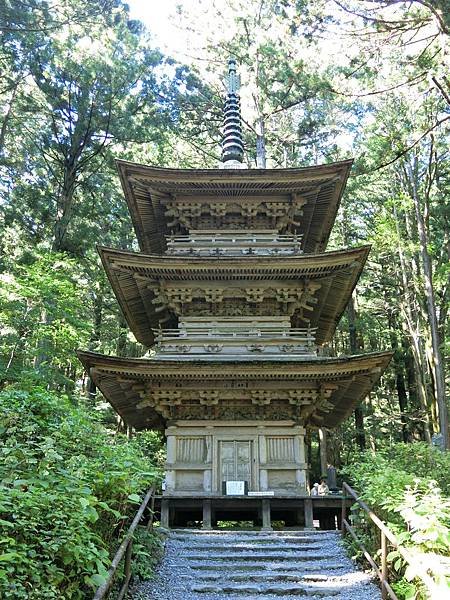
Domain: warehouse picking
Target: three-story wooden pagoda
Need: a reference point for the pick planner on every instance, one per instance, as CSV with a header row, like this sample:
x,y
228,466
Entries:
x,y
237,299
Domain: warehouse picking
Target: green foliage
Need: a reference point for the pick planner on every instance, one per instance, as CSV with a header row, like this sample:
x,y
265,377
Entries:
x,y
407,485
67,488
43,315
148,548
404,590
82,83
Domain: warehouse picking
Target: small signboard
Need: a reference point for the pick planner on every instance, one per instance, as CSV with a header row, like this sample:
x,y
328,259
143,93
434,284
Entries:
x,y
235,488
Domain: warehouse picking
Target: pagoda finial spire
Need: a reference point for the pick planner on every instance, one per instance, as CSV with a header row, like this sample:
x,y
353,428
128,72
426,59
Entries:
x,y
232,144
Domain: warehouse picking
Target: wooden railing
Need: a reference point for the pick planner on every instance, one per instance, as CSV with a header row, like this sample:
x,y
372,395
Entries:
x,y
386,536
234,243
205,334
126,551
234,238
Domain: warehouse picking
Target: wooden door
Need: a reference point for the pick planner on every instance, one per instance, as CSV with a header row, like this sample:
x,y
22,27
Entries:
x,y
235,461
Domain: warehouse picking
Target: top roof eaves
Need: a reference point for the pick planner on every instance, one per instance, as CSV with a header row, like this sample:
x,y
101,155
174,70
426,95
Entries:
x,y
163,173
146,187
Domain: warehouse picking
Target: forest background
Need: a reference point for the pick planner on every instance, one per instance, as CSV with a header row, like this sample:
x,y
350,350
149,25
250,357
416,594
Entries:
x,y
84,83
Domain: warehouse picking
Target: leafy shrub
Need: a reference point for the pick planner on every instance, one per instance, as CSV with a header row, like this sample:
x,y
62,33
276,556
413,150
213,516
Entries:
x,y
147,552
407,485
66,489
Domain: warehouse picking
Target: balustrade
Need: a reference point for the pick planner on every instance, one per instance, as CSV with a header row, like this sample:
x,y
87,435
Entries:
x,y
234,244
239,340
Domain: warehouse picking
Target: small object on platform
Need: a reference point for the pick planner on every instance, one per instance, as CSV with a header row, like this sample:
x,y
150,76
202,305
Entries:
x,y
331,476
260,494
323,489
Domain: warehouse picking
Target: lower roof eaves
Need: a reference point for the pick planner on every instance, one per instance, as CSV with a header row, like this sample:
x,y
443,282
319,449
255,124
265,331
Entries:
x,y
331,388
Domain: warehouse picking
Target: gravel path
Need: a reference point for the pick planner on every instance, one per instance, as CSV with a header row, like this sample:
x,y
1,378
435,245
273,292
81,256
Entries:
x,y
230,565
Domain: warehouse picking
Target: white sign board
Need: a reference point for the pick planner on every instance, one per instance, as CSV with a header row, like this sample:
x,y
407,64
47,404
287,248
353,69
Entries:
x,y
235,488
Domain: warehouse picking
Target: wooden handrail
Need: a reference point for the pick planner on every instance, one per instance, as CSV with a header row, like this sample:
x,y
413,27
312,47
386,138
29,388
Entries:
x,y
386,535
126,549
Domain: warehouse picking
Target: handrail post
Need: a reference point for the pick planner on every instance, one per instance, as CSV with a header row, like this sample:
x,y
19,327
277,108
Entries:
x,y
152,514
384,571
127,571
125,548
128,556
343,510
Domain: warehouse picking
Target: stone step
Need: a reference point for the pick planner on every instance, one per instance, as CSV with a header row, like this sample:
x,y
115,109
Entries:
x,y
254,556
275,532
290,566
254,535
263,539
265,577
258,549
266,590
263,542
255,565
247,539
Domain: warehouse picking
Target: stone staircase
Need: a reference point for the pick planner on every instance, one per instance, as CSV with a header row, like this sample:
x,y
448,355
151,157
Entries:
x,y
239,565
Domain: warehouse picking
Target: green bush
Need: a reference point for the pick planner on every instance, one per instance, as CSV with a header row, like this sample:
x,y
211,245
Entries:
x,y
148,549
67,488
407,485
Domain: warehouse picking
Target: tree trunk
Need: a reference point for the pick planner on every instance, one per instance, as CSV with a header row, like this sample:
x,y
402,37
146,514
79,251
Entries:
x,y
260,145
399,375
354,347
402,399
8,115
412,328
436,358
95,338
44,345
122,339
414,399
64,208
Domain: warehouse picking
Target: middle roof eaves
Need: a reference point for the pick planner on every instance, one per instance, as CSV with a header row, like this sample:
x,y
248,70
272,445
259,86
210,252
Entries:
x,y
134,277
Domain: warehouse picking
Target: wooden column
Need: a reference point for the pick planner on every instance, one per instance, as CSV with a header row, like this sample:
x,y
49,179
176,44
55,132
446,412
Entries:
x,y
309,523
208,472
267,523
165,513
263,475
207,514
299,455
171,458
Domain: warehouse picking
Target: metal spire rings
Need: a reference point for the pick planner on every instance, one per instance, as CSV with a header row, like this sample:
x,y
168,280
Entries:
x,y
232,144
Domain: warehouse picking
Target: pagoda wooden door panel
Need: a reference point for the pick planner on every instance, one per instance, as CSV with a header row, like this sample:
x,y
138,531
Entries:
x,y
235,461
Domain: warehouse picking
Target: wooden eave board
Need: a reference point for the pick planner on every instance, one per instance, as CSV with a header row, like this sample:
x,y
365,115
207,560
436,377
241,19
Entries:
x,y
147,188
132,274
119,380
